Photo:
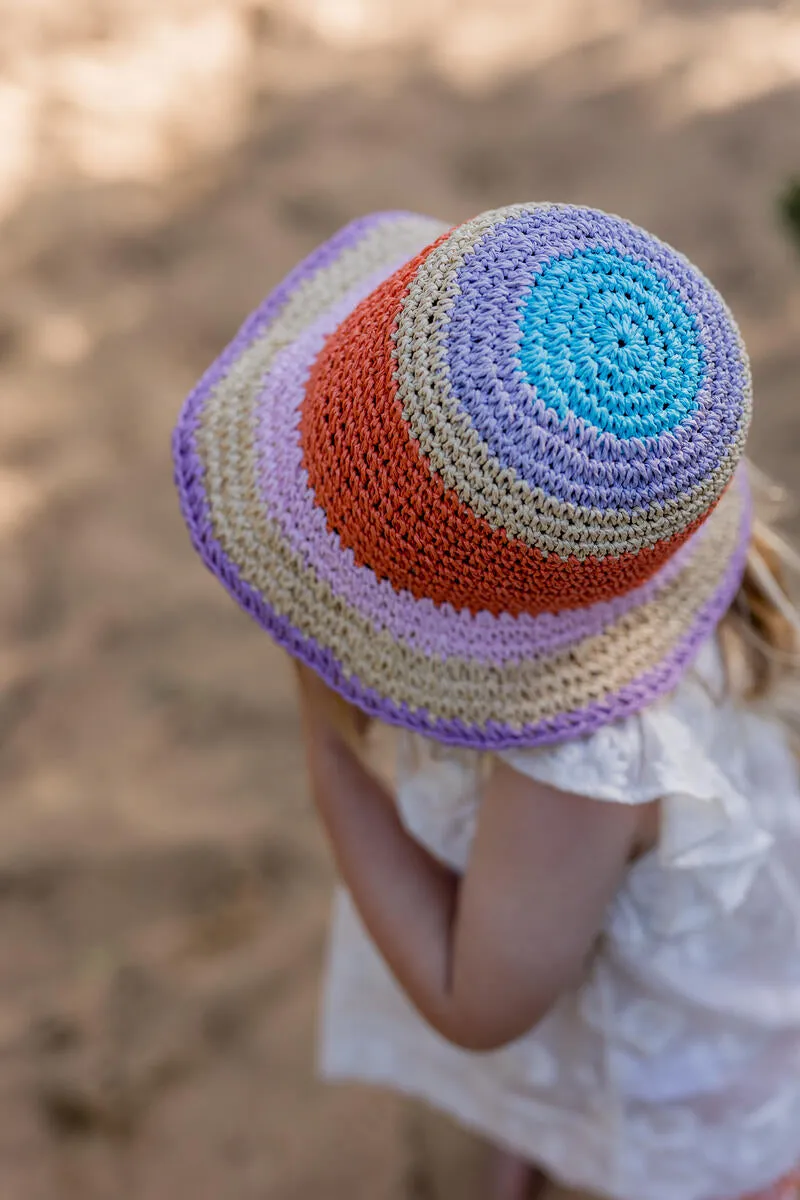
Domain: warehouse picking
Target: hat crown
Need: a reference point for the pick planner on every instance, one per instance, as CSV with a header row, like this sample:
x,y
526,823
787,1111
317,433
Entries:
x,y
572,386
552,329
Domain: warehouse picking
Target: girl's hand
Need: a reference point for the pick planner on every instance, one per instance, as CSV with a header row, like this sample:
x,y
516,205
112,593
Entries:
x,y
485,957
327,714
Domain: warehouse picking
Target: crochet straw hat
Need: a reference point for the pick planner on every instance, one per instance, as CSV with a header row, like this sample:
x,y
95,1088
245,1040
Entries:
x,y
486,480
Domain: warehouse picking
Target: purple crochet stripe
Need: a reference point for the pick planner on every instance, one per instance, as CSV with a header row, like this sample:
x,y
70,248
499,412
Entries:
x,y
423,626
493,736
189,472
571,460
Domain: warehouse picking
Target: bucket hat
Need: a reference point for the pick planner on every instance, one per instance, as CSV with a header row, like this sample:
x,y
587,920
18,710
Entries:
x,y
487,481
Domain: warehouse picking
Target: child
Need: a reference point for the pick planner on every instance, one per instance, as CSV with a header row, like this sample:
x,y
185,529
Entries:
x,y
487,485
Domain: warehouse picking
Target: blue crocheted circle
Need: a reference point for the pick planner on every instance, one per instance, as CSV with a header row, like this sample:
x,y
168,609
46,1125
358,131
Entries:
x,y
603,337
566,456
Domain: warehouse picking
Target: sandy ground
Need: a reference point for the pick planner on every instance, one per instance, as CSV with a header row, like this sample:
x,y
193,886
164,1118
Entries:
x,y
163,885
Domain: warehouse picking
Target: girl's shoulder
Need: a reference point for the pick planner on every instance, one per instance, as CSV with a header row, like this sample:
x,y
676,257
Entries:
x,y
720,772
695,742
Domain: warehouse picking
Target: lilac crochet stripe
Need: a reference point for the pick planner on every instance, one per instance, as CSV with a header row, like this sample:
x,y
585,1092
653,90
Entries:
x,y
439,631
189,472
493,736
589,467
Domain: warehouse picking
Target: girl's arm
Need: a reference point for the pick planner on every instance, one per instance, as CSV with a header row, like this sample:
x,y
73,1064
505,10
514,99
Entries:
x,y
482,958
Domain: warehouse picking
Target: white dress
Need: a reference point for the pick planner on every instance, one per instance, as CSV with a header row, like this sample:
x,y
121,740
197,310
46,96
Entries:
x,y
674,1072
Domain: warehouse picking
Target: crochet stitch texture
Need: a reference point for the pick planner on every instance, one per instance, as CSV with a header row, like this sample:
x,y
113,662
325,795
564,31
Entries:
x,y
484,480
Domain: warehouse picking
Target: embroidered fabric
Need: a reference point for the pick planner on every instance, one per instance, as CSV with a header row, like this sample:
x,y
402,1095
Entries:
x,y
673,1073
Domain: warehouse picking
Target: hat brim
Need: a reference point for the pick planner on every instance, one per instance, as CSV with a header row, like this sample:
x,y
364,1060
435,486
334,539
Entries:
x,y
464,678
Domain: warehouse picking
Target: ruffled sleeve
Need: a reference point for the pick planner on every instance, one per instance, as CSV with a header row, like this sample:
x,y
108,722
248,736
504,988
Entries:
x,y
646,757
610,764
670,753
668,748
711,766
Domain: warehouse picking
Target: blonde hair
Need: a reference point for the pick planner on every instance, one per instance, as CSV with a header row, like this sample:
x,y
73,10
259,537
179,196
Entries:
x,y
760,635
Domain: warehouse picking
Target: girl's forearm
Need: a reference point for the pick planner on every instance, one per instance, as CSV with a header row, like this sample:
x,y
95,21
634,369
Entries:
x,y
406,898
485,956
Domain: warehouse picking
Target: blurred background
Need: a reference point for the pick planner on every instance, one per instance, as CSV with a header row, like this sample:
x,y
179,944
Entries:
x,y
163,885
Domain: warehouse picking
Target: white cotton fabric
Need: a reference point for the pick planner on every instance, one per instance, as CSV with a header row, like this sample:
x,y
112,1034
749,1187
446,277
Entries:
x,y
674,1072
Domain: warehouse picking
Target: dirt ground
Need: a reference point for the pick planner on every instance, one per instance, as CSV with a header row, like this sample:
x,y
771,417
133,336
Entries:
x,y
163,884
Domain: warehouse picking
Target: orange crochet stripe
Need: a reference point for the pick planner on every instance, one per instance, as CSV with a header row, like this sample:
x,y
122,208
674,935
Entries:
x,y
380,496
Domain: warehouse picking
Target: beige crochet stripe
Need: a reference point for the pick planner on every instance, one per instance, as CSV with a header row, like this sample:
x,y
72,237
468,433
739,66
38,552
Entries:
x,y
224,437
455,451
516,694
